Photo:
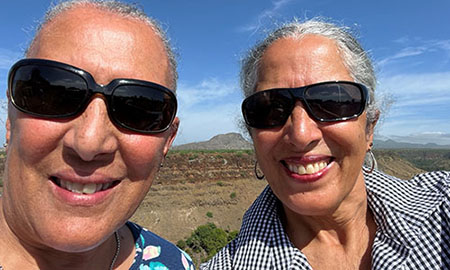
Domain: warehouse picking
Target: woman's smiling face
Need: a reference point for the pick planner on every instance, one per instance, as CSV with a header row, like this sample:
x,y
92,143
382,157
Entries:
x,y
72,182
312,167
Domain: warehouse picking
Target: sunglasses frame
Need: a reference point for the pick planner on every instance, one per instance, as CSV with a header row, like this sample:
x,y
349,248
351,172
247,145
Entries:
x,y
300,95
93,88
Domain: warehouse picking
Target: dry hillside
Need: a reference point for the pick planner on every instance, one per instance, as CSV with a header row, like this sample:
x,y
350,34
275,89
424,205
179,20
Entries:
x,y
191,184
195,187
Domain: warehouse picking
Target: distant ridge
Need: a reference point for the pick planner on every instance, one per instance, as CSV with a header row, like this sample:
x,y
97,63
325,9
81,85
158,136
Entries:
x,y
229,141
391,144
236,141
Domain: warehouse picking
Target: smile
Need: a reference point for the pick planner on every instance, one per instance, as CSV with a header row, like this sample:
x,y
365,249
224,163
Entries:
x,y
311,168
79,188
307,166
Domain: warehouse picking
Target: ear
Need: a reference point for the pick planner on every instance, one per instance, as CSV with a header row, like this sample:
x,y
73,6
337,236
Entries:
x,y
8,126
173,132
370,130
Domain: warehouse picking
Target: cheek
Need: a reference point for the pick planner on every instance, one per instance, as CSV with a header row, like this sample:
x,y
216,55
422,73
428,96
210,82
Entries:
x,y
142,155
36,138
347,143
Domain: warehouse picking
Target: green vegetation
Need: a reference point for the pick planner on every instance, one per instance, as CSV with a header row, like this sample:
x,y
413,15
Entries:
x,y
193,157
205,242
233,195
239,152
220,184
209,214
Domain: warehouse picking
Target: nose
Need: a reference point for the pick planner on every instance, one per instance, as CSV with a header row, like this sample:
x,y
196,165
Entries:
x,y
302,131
91,134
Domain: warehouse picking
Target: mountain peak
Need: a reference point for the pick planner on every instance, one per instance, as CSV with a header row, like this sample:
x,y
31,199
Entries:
x,y
226,141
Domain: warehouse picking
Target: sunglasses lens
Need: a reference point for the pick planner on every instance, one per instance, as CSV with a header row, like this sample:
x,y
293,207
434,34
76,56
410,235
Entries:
x,y
334,101
47,91
326,102
143,108
267,109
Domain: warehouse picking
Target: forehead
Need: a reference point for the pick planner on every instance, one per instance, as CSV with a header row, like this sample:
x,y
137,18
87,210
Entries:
x,y
96,39
301,61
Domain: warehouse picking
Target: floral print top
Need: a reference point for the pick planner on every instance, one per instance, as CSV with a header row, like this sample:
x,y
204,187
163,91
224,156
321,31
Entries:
x,y
156,253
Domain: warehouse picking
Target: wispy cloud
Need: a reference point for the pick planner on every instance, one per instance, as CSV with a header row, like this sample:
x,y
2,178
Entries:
x,y
420,107
266,14
411,47
207,108
436,84
8,57
205,92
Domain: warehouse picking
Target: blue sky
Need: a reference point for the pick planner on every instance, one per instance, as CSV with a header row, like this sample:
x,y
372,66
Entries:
x,y
409,42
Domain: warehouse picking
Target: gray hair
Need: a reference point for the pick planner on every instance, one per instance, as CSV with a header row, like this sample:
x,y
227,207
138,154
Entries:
x,y
121,9
356,60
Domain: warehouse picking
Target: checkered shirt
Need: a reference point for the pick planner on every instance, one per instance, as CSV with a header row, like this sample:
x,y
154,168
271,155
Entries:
x,y
412,216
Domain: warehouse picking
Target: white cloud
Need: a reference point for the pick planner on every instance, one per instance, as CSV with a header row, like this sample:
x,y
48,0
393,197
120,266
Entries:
x,y
208,90
420,107
203,125
413,91
419,47
269,13
8,57
208,108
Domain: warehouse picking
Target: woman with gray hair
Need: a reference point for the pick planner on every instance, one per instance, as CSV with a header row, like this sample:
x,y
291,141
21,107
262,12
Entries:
x,y
311,112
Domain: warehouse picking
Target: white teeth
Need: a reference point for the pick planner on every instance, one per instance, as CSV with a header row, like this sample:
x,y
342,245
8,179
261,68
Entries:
x,y
309,169
77,187
89,188
80,188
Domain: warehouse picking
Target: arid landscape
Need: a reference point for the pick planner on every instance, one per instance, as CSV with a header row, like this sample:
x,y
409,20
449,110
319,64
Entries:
x,y
194,183
195,187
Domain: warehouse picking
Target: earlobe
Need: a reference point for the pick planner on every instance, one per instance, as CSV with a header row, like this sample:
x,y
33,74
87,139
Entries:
x,y
8,130
173,132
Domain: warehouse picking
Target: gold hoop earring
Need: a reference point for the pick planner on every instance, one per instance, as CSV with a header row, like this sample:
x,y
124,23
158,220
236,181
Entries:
x,y
260,177
372,163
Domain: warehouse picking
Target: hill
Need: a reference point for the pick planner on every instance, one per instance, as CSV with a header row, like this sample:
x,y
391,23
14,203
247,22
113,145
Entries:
x,y
222,141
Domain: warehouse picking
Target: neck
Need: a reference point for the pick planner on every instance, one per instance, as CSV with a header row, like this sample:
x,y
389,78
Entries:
x,y
18,253
345,226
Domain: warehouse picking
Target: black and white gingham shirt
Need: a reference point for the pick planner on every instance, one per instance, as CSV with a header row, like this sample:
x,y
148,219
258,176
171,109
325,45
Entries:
x,y
412,216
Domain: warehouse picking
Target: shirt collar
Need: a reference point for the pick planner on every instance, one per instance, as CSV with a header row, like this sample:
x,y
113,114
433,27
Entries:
x,y
400,207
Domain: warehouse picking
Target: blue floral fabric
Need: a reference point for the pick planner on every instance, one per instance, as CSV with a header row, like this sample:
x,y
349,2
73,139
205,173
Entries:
x,y
156,253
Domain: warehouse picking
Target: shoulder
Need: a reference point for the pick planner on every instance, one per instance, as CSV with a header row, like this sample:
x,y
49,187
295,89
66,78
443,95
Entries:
x,y
420,197
156,252
436,182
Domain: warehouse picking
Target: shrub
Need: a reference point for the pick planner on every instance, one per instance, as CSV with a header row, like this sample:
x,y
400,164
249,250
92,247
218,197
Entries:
x,y
181,244
209,214
206,241
233,195
220,184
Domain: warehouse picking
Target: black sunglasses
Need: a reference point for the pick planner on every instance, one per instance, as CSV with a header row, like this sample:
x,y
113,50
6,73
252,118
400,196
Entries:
x,y
325,102
51,89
